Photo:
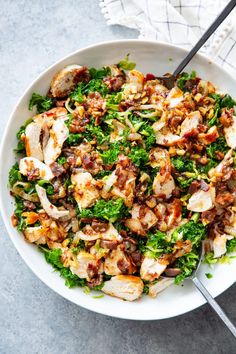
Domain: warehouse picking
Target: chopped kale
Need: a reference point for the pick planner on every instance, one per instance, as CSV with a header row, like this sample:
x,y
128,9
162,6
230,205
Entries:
x,y
99,73
53,257
183,78
125,64
187,263
139,156
183,164
193,231
42,103
14,174
109,210
156,245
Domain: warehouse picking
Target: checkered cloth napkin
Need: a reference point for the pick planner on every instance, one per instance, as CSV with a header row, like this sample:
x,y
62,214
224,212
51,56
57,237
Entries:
x,y
180,22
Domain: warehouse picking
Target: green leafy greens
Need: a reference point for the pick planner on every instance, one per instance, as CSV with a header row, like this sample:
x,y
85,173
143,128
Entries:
x,y
53,257
42,103
109,210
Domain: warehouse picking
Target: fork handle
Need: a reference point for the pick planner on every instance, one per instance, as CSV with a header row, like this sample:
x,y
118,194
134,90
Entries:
x,y
229,7
215,305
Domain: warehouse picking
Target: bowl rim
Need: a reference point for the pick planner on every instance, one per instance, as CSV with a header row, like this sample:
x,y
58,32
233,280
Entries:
x,y
4,214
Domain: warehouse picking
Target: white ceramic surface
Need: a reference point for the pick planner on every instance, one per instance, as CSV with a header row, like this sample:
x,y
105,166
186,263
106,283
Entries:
x,y
151,57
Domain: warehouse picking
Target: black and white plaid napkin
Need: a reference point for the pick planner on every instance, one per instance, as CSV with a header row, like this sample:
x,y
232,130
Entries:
x,y
180,22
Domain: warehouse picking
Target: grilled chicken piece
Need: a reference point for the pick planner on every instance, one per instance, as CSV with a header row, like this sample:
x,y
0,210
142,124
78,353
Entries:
x,y
175,97
31,140
58,134
49,208
35,234
127,287
88,234
159,286
202,200
117,263
85,260
151,269
85,191
230,134
142,219
35,169
219,245
163,135
190,123
48,118
66,80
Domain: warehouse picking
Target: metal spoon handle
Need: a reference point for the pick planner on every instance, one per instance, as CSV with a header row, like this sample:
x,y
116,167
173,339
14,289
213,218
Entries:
x,y
205,36
215,305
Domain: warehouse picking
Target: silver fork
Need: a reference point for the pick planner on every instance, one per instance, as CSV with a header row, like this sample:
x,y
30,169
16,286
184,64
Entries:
x,y
169,79
212,302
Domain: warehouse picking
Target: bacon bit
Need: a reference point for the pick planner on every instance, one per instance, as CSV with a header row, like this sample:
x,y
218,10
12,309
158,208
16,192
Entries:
x,y
219,155
14,220
95,281
172,272
194,187
99,226
111,245
60,103
114,82
203,160
226,118
57,169
202,128
29,205
224,198
208,216
126,266
78,124
92,270
33,174
136,257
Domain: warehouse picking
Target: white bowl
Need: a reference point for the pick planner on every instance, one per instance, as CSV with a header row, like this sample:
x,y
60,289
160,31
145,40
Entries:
x,y
150,57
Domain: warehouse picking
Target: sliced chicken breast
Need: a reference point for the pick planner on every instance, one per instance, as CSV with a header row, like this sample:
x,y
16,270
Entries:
x,y
49,208
151,269
31,140
160,285
66,80
202,200
88,234
84,259
58,134
85,191
126,287
32,167
190,123
230,134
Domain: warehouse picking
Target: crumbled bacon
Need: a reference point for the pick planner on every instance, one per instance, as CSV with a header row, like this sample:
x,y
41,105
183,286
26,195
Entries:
x,y
224,198
194,187
208,216
226,118
99,226
111,245
114,82
126,266
57,169
78,124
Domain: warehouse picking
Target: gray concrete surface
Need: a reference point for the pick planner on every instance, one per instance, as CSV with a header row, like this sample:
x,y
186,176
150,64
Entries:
x,y
33,319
